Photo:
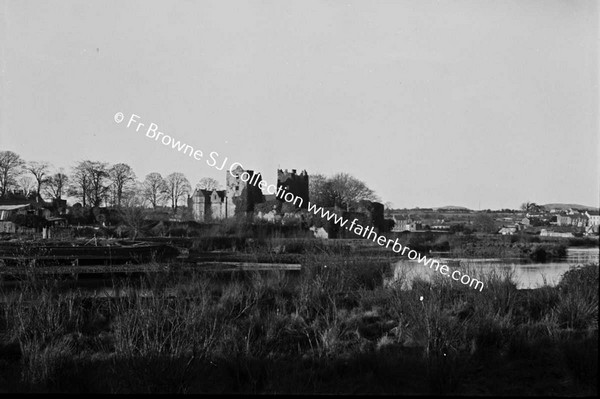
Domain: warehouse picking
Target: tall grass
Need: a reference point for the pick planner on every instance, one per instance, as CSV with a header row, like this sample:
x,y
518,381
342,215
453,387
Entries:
x,y
335,328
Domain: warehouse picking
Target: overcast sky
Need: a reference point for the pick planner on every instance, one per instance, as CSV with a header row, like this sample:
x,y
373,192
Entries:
x,y
431,103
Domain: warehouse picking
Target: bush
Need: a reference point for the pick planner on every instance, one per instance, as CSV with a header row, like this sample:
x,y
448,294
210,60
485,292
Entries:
x,y
580,278
578,306
31,221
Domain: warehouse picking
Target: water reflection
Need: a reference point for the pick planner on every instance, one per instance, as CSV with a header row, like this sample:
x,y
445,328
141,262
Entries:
x,y
526,275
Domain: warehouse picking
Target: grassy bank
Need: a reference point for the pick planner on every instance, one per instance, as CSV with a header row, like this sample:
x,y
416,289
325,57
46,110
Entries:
x,y
492,246
333,329
468,246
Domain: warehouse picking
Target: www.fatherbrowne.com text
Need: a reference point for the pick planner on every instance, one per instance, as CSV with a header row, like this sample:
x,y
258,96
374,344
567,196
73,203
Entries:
x,y
151,131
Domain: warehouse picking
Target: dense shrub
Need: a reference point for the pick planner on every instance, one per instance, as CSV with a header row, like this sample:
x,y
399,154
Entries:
x,y
581,278
578,306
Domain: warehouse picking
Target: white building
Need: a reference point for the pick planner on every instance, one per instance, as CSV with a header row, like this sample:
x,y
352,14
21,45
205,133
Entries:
x,y
593,218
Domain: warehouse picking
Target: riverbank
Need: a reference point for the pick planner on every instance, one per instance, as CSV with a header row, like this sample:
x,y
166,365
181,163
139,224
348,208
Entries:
x,y
336,328
533,248
496,246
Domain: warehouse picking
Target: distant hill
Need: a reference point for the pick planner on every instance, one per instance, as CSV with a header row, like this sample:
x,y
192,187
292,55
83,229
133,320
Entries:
x,y
567,206
452,208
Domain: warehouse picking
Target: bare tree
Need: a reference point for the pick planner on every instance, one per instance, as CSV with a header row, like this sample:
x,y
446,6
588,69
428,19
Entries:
x,y
26,184
177,187
134,191
80,182
525,206
57,185
40,172
90,182
350,190
133,214
341,190
98,172
208,183
123,178
532,207
154,188
11,167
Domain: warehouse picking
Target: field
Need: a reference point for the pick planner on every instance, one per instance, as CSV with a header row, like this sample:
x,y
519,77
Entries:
x,y
334,327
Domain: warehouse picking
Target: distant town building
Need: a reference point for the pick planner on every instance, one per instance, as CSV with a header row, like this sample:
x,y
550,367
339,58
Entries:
x,y
508,230
551,233
593,218
405,223
563,220
574,219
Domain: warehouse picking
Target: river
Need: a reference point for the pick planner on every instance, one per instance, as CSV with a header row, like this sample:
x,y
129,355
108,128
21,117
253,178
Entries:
x,y
525,274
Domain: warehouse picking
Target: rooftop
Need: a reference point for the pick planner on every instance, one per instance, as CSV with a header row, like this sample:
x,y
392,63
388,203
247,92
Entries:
x,y
13,207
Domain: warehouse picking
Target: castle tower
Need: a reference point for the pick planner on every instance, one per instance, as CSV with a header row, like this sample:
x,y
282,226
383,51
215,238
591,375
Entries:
x,y
242,191
294,183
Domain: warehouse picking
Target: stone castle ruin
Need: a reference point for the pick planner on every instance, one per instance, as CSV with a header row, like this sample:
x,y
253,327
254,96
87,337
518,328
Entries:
x,y
243,192
242,197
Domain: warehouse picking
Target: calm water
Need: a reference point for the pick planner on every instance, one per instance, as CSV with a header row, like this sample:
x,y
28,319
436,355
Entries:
x,y
527,275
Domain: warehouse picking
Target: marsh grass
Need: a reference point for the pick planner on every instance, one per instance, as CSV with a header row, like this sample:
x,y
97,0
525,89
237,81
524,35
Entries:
x,y
337,327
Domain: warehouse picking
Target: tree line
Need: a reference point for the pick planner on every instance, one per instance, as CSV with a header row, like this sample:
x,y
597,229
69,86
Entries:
x,y
93,183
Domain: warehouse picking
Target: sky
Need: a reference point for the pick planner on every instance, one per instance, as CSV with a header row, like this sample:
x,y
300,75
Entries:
x,y
483,104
